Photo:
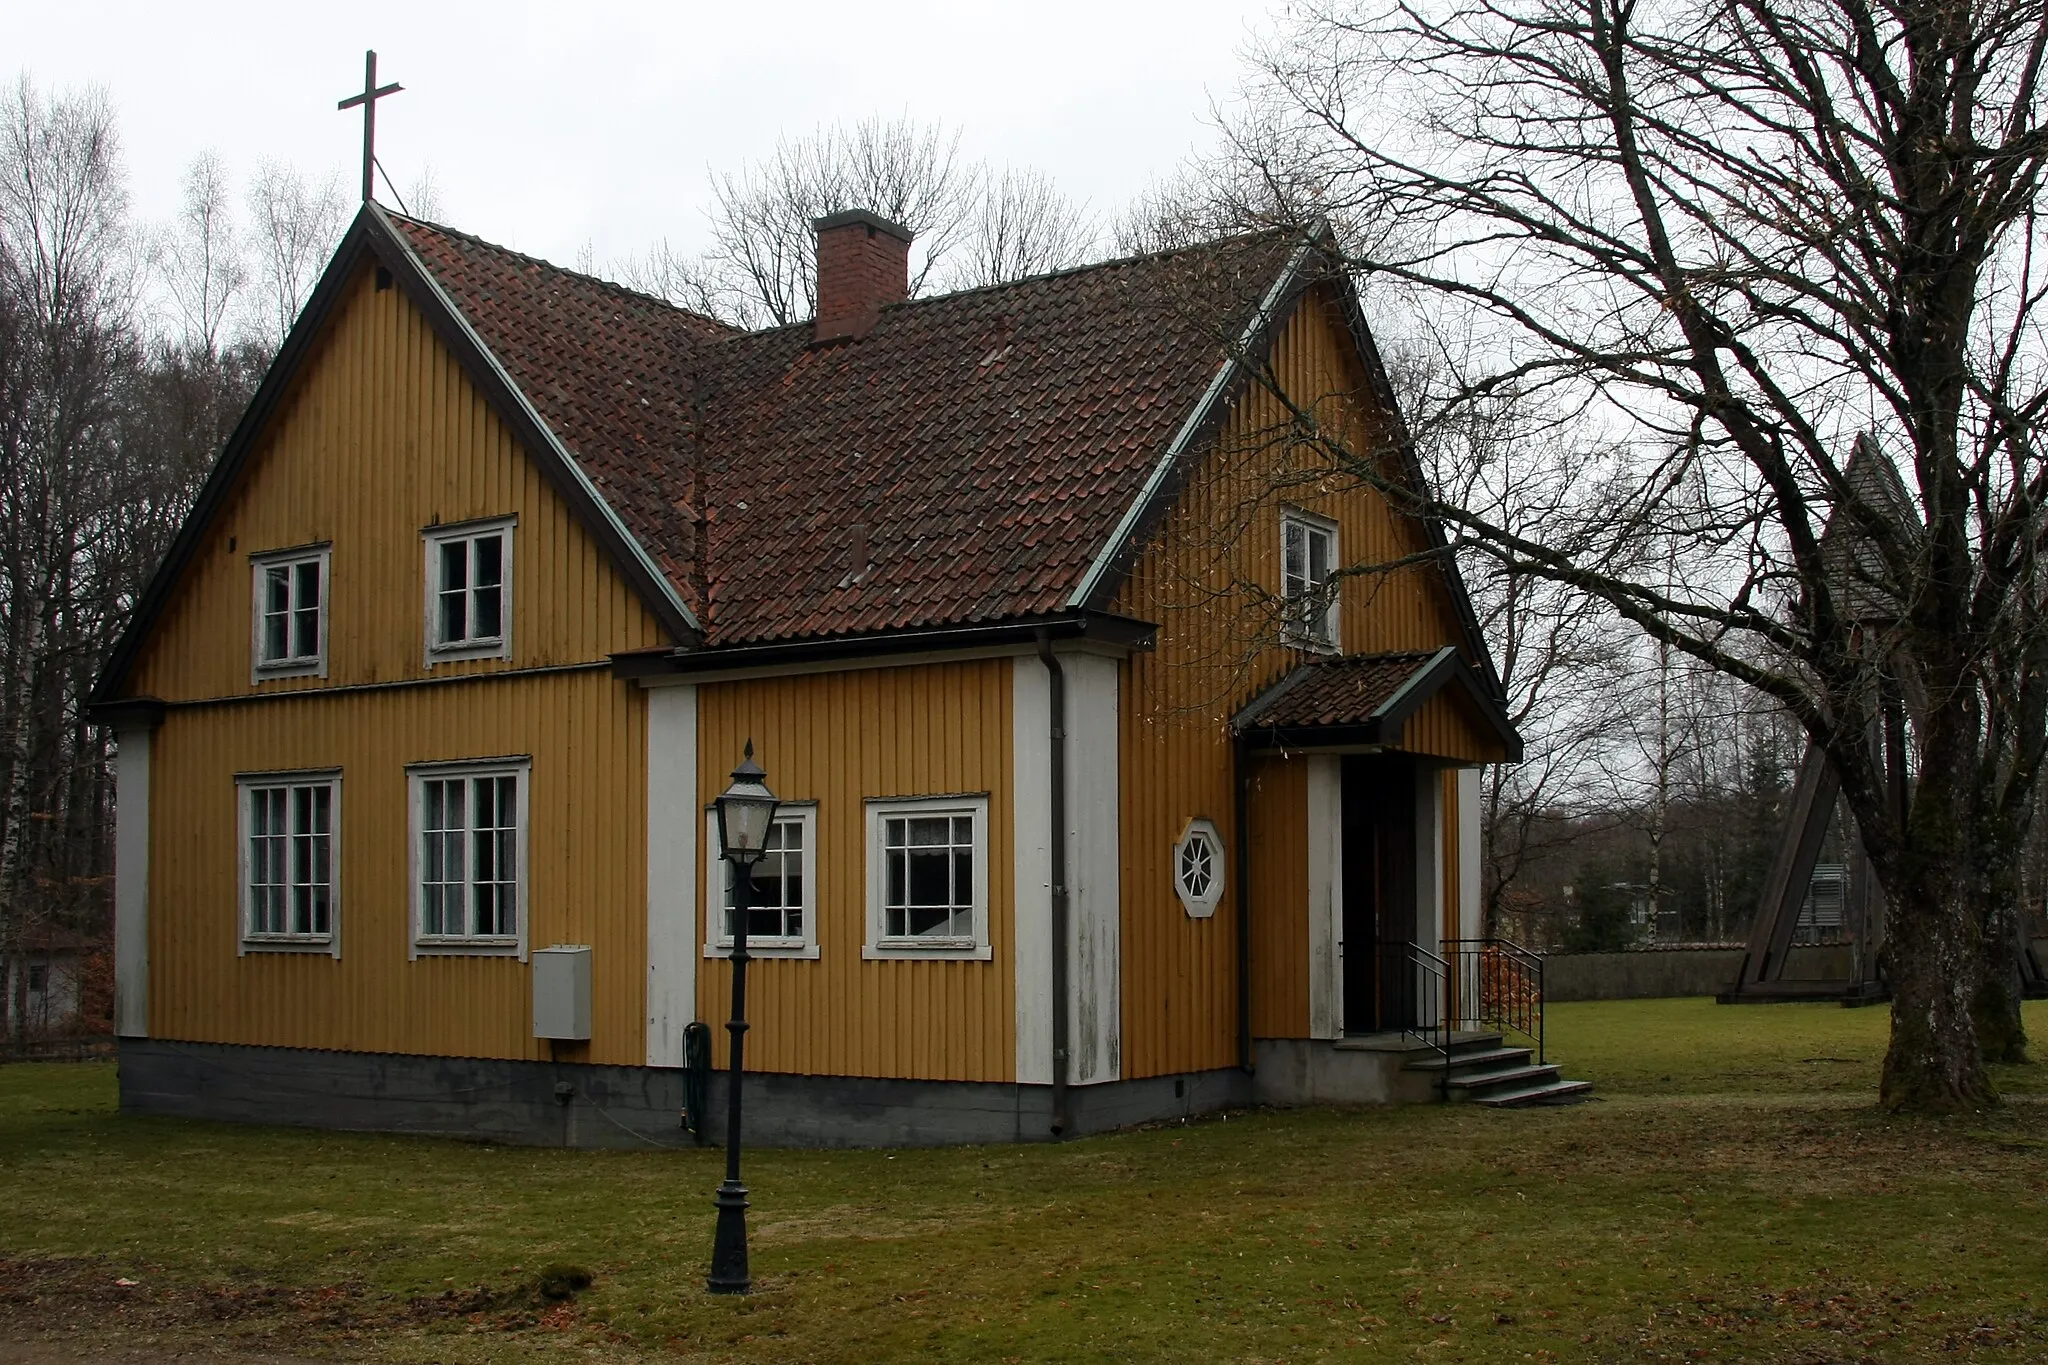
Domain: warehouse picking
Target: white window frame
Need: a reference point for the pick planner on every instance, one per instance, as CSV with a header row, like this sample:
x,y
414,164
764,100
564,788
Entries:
x,y
498,646
972,947
1330,638
261,564
717,942
248,940
417,775
1202,906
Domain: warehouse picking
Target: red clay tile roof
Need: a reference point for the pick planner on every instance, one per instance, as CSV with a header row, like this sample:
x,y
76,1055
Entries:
x,y
1334,691
609,370
964,463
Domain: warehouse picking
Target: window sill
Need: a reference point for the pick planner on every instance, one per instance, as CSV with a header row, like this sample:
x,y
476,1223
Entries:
x,y
1309,643
467,651
943,950
774,947
289,668
467,947
322,944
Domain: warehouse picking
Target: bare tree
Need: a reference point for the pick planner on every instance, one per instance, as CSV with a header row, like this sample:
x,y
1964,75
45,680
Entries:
x,y
1730,240
200,258
296,224
1022,226
971,226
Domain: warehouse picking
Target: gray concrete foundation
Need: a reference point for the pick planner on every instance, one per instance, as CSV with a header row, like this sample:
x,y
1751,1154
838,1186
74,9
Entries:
x,y
1294,1071
567,1104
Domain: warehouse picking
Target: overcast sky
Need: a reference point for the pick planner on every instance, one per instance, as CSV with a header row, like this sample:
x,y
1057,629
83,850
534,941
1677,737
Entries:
x,y
552,126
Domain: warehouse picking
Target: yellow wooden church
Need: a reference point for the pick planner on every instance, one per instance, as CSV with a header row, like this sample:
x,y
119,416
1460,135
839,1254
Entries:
x,y
1109,793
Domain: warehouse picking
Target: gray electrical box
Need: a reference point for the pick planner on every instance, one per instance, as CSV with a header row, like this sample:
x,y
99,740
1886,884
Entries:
x,y
561,992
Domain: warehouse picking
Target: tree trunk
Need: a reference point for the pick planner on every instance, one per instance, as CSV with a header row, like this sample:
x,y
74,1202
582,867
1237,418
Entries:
x,y
2001,1029
1935,949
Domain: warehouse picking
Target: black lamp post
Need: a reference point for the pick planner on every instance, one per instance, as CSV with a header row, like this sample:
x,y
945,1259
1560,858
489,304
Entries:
x,y
746,812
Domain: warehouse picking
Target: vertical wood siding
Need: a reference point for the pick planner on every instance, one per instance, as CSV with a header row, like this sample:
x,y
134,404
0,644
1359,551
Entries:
x,y
381,436
839,739
1279,887
586,876
1211,579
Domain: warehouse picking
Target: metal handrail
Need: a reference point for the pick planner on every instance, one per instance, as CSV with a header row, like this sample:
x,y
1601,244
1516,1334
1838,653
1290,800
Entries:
x,y
1430,1021
1498,984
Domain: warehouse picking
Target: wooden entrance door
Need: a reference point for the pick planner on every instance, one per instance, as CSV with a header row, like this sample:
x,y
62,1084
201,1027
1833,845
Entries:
x,y
1378,828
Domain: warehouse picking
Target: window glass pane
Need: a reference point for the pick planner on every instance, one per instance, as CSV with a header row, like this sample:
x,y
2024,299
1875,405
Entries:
x,y
454,597
1294,560
276,609
488,614
1319,557
489,561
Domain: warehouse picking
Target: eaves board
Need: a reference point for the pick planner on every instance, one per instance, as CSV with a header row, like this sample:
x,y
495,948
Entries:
x,y
371,236
1112,564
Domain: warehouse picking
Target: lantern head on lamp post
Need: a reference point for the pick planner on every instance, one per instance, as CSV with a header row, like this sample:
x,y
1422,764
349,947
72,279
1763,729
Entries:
x,y
746,812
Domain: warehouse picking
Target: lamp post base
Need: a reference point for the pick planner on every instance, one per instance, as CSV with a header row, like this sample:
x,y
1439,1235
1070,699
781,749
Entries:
x,y
729,1274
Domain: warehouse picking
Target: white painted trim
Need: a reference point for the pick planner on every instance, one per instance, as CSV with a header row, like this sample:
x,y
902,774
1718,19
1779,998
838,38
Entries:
x,y
567,462
1325,818
1094,871
975,946
1333,619
671,871
1204,905
463,945
718,943
1128,525
1470,877
247,942
1031,855
131,882
259,564
432,539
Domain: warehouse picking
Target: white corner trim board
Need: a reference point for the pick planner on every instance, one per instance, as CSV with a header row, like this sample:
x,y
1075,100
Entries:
x,y
131,882
672,818
1031,840
1469,875
1094,870
1325,896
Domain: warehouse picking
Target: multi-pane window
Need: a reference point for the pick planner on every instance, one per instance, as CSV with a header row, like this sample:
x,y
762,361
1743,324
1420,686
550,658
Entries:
x,y
1308,562
1198,868
929,874
291,613
469,591
469,833
289,826
781,885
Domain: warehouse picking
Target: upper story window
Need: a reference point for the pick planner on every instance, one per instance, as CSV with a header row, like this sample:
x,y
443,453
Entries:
x,y
1308,563
290,887
781,917
469,591
469,856
928,877
289,637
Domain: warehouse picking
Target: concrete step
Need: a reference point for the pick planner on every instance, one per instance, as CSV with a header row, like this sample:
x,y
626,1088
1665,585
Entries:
x,y
1499,1078
1556,1092
1491,1057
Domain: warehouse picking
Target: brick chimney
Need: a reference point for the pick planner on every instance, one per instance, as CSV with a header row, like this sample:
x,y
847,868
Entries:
x,y
863,263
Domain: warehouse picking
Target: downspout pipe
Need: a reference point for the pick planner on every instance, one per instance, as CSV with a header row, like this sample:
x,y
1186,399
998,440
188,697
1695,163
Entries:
x,y
1056,677
1241,782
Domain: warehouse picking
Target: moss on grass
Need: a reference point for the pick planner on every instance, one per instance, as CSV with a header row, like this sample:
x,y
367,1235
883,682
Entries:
x,y
1731,1200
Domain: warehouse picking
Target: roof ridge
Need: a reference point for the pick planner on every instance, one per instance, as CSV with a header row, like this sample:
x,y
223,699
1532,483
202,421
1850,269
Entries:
x,y
1114,263
612,285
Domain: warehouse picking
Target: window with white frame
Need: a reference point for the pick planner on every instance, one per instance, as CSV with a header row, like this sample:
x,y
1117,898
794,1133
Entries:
x,y
1308,562
289,636
928,876
1198,868
290,826
469,856
469,591
781,920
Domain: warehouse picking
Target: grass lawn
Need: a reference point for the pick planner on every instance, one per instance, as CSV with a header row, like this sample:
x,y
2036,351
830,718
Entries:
x,y
1733,1197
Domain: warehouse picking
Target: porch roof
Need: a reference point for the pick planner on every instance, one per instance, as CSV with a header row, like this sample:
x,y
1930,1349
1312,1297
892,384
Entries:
x,y
1366,699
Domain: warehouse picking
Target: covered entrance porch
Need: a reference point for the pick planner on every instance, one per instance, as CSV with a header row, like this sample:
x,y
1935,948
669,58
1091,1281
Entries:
x,y
1370,977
